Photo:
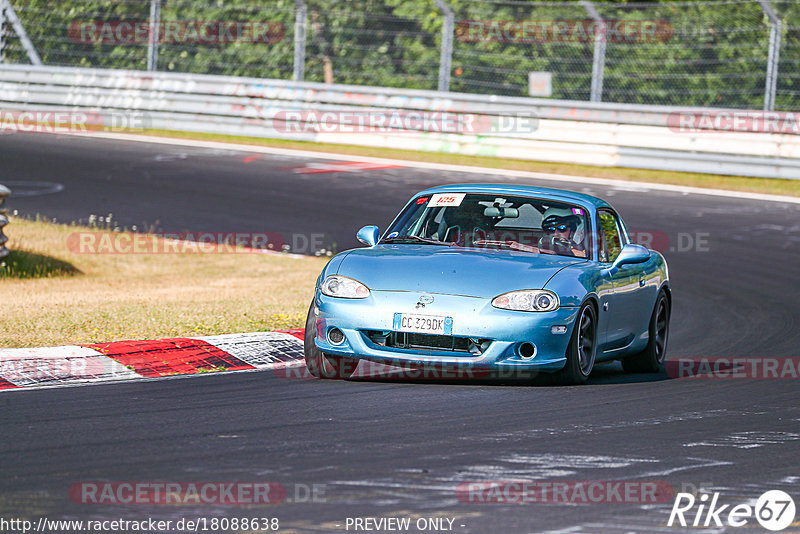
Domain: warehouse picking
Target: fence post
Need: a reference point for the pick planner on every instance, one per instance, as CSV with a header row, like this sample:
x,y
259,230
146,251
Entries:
x,y
599,54
152,45
446,56
33,56
4,192
775,27
300,13
2,31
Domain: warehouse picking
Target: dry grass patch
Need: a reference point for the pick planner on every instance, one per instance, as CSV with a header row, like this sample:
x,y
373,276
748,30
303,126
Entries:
x,y
54,296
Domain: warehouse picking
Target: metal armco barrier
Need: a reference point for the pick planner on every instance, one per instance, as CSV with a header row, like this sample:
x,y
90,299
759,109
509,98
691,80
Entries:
x,y
4,192
591,133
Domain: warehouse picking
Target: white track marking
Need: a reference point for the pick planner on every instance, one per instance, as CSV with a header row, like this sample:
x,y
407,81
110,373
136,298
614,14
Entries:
x,y
747,440
32,188
619,184
259,349
704,463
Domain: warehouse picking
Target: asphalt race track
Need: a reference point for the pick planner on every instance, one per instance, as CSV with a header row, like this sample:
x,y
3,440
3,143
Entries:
x,y
384,449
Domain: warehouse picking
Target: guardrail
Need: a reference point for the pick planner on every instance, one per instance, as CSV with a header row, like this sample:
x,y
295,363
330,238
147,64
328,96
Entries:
x,y
4,192
623,135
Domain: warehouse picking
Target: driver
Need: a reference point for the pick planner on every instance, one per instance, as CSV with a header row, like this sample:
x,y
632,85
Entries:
x,y
560,226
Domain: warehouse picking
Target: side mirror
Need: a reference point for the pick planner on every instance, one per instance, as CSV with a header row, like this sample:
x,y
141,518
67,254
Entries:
x,y
629,255
368,235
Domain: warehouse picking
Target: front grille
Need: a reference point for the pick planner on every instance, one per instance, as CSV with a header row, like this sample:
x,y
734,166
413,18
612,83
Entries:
x,y
410,340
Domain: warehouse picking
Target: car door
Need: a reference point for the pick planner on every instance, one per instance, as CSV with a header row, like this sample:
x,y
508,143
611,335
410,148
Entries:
x,y
624,307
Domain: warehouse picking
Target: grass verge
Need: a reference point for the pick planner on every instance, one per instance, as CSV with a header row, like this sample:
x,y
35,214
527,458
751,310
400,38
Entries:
x,y
773,186
54,296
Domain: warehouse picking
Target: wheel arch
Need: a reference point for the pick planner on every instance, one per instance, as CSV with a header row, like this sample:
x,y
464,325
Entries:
x,y
668,292
595,302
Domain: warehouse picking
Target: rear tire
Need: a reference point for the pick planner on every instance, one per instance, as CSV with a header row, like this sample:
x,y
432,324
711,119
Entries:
x,y
651,359
582,348
318,363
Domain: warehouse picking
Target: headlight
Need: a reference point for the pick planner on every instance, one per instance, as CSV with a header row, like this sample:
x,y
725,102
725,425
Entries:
x,y
536,300
343,287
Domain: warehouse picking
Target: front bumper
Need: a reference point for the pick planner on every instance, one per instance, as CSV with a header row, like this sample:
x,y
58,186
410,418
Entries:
x,y
472,318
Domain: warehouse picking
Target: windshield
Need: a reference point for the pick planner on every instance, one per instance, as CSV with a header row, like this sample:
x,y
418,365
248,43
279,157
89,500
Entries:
x,y
479,220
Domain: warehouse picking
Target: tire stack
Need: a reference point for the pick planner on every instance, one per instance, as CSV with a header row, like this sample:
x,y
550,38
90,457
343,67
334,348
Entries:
x,y
4,192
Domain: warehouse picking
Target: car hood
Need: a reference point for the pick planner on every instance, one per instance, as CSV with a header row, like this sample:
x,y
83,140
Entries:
x,y
483,273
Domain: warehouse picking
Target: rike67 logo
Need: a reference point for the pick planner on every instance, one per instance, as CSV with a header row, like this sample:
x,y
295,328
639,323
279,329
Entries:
x,y
774,510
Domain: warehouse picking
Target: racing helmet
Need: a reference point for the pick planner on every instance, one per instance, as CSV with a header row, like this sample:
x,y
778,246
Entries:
x,y
567,216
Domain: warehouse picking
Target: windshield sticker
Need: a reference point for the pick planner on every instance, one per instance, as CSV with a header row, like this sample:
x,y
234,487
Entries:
x,y
577,211
446,199
422,200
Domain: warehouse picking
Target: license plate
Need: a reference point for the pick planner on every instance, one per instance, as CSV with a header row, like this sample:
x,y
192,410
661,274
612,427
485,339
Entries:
x,y
425,324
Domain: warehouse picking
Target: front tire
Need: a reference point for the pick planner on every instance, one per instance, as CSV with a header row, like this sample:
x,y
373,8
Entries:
x,y
651,359
582,347
319,364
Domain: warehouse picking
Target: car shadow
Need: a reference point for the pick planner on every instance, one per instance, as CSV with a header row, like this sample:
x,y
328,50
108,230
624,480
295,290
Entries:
x,y
610,373
24,264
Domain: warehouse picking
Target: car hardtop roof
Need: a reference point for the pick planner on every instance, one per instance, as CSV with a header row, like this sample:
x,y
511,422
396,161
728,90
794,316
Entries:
x,y
524,190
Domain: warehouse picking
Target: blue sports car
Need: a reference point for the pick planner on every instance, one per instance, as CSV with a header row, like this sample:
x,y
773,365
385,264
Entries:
x,y
493,278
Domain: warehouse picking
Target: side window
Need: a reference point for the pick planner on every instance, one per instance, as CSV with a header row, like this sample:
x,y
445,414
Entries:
x,y
611,243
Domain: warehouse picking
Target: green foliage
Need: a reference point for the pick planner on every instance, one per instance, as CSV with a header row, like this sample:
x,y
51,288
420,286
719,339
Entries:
x,y
708,53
